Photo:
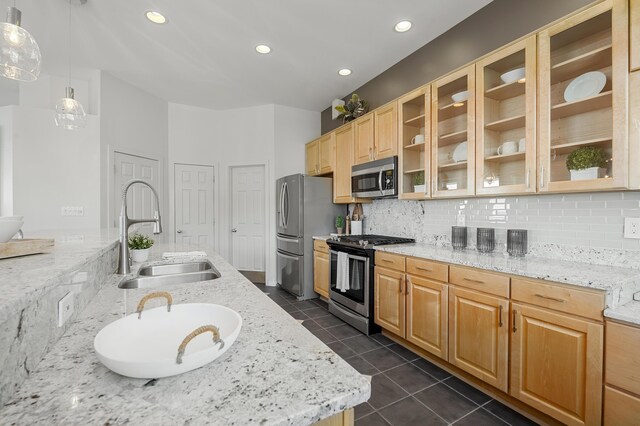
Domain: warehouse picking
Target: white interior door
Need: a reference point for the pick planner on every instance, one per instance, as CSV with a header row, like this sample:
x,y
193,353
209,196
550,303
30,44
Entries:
x,y
247,218
140,201
193,205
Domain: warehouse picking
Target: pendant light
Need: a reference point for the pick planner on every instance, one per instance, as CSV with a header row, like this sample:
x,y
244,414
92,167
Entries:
x,y
19,53
70,114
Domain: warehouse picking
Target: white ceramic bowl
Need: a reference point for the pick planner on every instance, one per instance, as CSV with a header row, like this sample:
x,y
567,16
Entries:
x,y
460,96
8,229
147,348
460,152
513,75
11,218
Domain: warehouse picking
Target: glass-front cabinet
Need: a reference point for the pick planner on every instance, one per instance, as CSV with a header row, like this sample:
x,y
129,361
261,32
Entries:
x,y
583,65
453,134
415,142
506,120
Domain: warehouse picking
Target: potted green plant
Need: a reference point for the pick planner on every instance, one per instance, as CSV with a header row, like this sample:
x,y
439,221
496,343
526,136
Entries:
x,y
339,224
352,109
139,246
587,162
418,182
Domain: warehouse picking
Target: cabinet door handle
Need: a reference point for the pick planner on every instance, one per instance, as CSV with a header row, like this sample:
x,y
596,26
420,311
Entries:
x,y
514,321
542,177
424,269
500,319
473,281
406,287
528,178
387,260
550,298
401,286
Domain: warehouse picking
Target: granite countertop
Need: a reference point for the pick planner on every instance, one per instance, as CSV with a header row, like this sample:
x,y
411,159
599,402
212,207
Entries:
x,y
629,312
619,283
23,279
276,372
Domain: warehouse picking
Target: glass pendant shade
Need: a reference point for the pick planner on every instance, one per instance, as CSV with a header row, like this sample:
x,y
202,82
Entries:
x,y
19,53
69,113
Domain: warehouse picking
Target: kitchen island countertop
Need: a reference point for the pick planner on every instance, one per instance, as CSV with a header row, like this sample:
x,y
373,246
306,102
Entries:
x,y
276,372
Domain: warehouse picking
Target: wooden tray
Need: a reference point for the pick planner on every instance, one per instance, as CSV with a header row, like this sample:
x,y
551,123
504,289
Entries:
x,y
15,248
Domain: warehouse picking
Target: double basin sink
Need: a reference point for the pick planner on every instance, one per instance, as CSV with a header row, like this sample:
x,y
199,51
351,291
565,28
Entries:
x,y
171,274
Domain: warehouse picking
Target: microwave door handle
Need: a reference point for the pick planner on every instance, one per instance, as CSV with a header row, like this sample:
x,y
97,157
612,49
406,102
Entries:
x,y
380,182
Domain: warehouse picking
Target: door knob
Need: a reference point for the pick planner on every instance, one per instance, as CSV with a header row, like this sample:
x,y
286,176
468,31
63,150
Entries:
x,y
234,230
179,231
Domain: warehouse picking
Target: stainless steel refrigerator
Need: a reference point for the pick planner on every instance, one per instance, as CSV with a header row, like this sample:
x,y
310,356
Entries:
x,y
304,208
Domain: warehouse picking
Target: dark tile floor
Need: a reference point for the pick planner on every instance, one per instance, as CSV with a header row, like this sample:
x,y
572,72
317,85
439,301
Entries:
x,y
405,388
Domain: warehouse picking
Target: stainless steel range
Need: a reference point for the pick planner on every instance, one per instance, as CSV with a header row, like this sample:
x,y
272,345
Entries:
x,y
353,302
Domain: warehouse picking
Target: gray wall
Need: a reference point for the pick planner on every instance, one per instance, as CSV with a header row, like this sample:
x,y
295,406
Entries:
x,y
495,25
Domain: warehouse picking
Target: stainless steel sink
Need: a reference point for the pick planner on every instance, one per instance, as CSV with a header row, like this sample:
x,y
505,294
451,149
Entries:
x,y
171,274
175,268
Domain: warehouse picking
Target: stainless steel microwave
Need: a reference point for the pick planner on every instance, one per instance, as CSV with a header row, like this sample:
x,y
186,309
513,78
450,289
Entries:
x,y
375,179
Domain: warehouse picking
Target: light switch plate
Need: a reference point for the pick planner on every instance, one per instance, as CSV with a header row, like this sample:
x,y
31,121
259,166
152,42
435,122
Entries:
x,y
632,227
65,308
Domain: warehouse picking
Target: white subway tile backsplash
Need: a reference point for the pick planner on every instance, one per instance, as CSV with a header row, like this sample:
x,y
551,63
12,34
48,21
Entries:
x,y
586,226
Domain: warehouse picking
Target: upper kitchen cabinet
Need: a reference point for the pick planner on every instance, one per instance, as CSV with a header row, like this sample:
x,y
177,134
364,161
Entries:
x,y
321,155
386,131
634,35
363,142
414,120
344,138
312,156
583,77
506,120
453,134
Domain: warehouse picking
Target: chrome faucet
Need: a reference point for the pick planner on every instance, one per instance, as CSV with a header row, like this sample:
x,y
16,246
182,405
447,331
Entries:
x,y
124,264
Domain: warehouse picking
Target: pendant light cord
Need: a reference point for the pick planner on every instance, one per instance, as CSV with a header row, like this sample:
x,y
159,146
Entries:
x,y
69,57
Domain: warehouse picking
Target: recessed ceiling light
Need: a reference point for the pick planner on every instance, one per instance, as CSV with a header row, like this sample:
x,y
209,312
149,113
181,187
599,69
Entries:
x,y
402,26
344,72
155,17
263,48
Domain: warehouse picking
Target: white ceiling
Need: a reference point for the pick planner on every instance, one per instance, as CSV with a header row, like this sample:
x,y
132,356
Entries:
x,y
205,54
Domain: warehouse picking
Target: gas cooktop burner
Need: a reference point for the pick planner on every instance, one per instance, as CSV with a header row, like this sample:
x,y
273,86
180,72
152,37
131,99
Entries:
x,y
368,240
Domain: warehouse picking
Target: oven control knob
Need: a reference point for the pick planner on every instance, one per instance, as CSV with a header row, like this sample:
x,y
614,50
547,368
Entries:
x,y
363,243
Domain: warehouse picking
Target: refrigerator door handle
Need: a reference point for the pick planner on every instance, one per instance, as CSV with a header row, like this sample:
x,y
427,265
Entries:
x,y
281,217
285,208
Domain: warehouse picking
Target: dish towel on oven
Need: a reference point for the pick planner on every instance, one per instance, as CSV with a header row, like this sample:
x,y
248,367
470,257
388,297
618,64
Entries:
x,y
342,272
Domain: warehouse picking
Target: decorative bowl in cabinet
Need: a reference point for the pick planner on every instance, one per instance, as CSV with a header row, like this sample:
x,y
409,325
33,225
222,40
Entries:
x,y
460,153
513,75
460,96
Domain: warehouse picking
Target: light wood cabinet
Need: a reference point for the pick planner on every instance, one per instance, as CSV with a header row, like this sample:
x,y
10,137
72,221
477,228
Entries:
x,y
363,143
320,155
620,408
634,35
556,364
506,121
453,129
312,151
385,135
595,40
321,273
414,123
623,357
479,335
427,315
389,298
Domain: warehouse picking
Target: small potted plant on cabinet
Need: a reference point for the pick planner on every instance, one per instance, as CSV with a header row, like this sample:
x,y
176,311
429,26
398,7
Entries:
x,y
418,183
139,245
339,224
587,162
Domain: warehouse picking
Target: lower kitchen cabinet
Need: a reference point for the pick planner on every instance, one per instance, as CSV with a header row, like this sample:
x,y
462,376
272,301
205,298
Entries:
x,y
620,408
321,273
427,318
479,335
556,364
389,296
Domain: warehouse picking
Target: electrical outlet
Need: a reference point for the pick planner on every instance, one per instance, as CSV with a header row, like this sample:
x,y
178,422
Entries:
x,y
72,211
65,308
632,227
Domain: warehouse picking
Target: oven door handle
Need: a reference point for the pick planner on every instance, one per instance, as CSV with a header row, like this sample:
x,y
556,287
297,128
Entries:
x,y
351,256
